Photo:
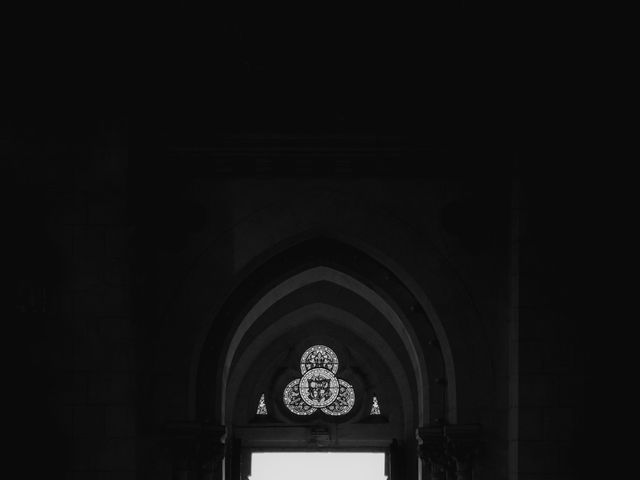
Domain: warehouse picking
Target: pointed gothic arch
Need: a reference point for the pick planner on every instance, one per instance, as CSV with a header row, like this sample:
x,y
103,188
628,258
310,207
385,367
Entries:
x,y
397,314
313,260
346,322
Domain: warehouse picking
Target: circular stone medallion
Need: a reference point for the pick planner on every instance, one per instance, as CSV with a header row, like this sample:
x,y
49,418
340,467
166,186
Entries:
x,y
344,402
319,356
319,387
293,401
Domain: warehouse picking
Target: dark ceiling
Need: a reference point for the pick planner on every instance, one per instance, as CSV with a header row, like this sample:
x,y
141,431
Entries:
x,y
479,81
443,74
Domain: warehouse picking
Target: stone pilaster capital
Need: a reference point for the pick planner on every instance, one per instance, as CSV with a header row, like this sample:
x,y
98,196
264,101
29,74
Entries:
x,y
462,441
431,445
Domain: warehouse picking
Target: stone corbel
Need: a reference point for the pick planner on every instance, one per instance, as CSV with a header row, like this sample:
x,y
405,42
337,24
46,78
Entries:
x,y
432,452
462,443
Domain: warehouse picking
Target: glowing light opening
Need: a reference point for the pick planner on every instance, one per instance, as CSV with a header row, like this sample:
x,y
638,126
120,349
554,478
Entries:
x,y
375,407
317,466
262,406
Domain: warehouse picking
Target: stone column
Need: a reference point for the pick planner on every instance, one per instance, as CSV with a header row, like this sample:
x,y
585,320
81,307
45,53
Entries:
x,y
461,446
197,450
245,464
394,465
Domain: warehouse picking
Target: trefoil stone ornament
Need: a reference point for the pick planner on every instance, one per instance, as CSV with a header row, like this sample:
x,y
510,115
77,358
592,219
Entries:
x,y
319,388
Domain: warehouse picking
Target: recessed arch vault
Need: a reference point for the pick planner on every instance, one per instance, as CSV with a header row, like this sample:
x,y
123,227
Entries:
x,y
324,273
247,358
348,257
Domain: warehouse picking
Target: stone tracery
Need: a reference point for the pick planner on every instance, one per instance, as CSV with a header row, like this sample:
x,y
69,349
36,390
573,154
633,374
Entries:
x,y
319,388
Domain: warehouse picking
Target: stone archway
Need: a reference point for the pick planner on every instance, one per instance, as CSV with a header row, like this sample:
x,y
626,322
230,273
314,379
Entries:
x,y
304,269
391,332
344,320
323,273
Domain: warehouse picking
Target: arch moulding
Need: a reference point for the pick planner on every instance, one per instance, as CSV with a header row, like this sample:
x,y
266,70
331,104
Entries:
x,y
249,355
399,323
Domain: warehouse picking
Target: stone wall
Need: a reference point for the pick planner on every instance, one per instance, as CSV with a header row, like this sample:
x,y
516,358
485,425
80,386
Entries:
x,y
104,324
72,335
554,328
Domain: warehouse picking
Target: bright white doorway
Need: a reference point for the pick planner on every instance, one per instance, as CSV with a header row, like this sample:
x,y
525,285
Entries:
x,y
317,466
